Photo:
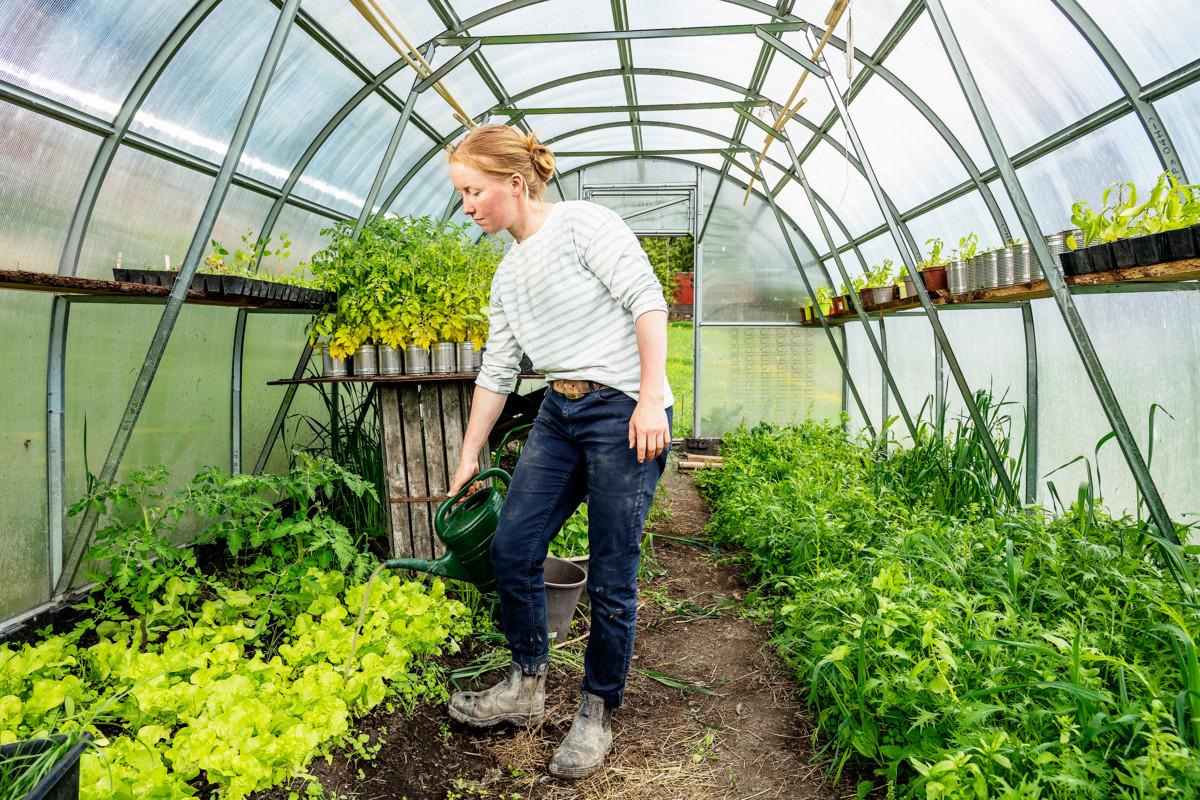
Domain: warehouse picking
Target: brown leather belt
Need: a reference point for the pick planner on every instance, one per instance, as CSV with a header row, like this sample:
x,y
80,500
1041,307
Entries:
x,y
574,390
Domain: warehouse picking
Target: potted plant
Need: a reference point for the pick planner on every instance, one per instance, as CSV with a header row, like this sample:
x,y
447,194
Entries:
x,y
878,287
807,315
956,271
825,300
933,268
846,305
43,768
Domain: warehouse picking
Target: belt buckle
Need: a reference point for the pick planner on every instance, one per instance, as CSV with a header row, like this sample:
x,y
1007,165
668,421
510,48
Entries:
x,y
574,395
567,389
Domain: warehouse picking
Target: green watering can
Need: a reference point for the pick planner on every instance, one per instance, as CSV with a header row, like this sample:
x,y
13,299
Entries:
x,y
467,530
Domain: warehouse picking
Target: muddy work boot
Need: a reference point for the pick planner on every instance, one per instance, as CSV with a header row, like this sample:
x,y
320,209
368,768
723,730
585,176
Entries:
x,y
519,699
590,739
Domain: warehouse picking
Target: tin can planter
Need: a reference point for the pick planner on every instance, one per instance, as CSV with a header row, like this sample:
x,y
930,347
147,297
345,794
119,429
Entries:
x,y
1149,249
989,275
390,362
466,356
1022,263
934,278
416,360
333,367
478,360
956,277
882,294
1057,243
444,359
366,361
1004,268
60,782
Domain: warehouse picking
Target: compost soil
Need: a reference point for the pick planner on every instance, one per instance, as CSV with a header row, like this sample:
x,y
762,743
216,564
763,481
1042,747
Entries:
x,y
741,732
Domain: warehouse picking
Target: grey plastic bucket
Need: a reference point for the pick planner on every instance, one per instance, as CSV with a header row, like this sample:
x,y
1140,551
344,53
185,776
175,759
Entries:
x,y
564,582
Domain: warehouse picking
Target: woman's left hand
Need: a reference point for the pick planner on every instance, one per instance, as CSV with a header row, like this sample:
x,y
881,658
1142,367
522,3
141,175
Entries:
x,y
649,431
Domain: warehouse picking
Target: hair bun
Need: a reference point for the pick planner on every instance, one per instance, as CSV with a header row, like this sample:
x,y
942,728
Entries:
x,y
540,156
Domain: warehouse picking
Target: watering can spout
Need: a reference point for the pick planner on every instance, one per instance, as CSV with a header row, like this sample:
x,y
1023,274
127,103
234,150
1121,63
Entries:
x,y
466,529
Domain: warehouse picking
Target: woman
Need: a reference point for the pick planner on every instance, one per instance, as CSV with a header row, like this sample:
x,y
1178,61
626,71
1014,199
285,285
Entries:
x,y
575,292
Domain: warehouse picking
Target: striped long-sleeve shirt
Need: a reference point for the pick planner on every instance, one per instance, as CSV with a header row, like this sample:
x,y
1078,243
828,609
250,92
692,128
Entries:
x,y
568,297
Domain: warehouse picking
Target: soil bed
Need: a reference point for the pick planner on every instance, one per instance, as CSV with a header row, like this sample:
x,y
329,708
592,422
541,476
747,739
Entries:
x,y
744,735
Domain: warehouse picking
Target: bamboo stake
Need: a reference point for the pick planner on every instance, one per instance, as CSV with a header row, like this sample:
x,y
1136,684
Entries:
x,y
836,11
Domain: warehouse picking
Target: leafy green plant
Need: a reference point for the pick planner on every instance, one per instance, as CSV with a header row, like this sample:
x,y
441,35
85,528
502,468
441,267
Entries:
x,y
880,275
1170,206
936,258
967,246
825,299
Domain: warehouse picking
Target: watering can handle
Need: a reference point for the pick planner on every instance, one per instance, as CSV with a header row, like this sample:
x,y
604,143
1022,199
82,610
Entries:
x,y
504,441
444,508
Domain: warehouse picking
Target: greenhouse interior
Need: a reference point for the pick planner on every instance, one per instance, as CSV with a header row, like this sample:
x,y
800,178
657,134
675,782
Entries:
x,y
927,523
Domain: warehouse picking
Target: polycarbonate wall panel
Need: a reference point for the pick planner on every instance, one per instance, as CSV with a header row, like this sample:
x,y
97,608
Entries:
x,y
608,91
990,346
911,167
910,351
273,344
196,102
1150,346
842,186
920,62
147,208
553,16
750,375
1153,38
43,164
84,54
793,201
676,217
340,174
871,19
1178,112
747,272
24,558
607,139
729,58
463,84
428,192
307,80
643,16
304,230
1083,169
549,127
343,21
954,220
867,376
1036,73
184,424
629,171
241,215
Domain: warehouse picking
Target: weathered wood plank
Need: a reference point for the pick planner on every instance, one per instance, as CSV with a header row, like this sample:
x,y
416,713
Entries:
x,y
418,482
395,470
436,442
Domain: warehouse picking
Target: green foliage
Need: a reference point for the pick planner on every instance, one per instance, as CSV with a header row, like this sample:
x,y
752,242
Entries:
x,y
251,260
404,280
964,650
572,540
236,678
680,365
1170,206
669,255
936,257
880,275
967,246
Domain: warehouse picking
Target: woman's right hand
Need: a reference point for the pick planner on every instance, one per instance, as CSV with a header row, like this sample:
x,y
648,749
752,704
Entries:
x,y
466,470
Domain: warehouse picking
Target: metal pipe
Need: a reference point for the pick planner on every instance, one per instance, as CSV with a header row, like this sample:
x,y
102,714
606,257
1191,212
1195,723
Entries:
x,y
235,394
174,305
1053,273
1031,404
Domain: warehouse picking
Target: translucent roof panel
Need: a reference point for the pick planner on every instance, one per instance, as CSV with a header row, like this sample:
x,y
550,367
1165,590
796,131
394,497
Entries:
x,y
341,172
655,138
551,126
730,58
653,89
871,19
920,62
1036,73
1158,38
280,135
87,55
646,16
43,164
783,75
874,251
342,20
463,84
1082,170
841,185
794,202
552,16
518,72
718,120
606,139
912,161
590,92
428,192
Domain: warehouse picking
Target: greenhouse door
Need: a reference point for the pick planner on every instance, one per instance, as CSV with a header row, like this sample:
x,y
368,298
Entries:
x,y
666,209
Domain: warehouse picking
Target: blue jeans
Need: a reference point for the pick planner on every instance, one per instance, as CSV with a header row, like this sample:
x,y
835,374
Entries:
x,y
576,449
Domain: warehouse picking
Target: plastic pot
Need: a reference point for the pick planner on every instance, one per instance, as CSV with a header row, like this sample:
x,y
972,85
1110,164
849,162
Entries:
x,y
564,583
883,294
909,289
1075,262
121,275
1102,258
840,304
62,781
390,362
866,299
934,278
1148,249
1123,254
1180,244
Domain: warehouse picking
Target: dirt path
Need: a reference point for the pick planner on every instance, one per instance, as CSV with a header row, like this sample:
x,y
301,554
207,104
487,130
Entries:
x,y
745,736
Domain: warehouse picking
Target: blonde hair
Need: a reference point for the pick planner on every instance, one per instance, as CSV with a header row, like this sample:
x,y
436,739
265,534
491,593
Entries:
x,y
501,151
